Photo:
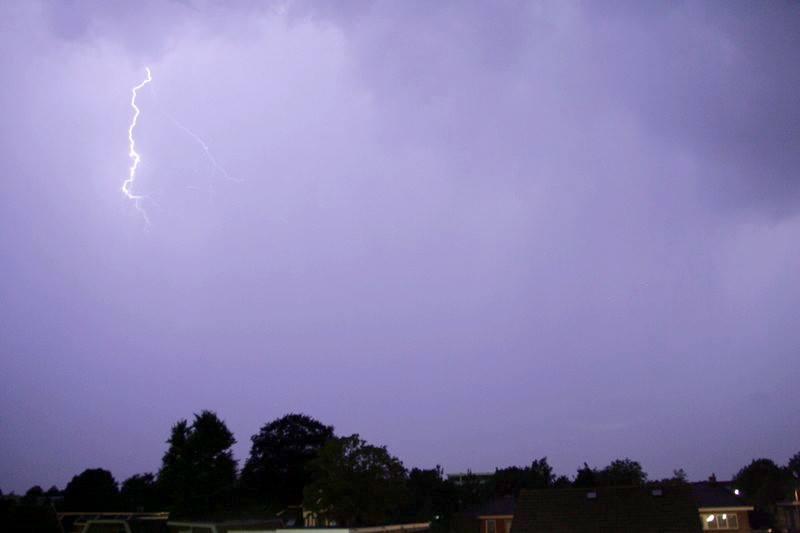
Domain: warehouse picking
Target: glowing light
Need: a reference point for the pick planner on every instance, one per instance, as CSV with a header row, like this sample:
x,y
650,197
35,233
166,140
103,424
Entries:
x,y
710,518
736,491
127,185
724,516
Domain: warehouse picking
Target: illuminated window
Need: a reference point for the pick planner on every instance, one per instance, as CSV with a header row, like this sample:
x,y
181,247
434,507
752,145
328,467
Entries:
x,y
720,521
491,526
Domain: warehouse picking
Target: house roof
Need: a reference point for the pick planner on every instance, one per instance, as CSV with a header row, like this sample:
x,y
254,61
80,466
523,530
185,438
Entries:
x,y
716,495
496,507
606,509
224,525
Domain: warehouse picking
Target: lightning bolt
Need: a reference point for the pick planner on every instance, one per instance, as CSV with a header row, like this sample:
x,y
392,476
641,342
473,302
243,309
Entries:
x,y
133,154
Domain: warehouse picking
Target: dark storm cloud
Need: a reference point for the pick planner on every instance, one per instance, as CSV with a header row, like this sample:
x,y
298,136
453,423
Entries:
x,y
475,233
716,80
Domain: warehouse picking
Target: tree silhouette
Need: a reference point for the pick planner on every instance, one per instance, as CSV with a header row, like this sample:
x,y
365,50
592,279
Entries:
x,y
431,497
794,466
586,477
198,472
94,489
509,481
355,483
618,472
140,493
622,472
762,481
277,470
34,496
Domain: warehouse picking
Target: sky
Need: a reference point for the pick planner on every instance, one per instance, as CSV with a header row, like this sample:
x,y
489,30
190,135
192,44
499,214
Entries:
x,y
478,233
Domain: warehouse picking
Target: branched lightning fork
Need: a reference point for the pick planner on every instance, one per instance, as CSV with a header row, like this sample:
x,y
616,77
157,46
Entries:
x,y
195,137
211,159
133,154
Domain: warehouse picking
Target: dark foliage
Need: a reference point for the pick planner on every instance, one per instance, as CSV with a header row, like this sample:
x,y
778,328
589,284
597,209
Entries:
x,y
586,477
355,483
562,482
277,470
23,516
473,491
678,478
763,482
34,495
298,460
509,481
793,466
622,472
619,472
198,472
430,497
94,489
140,493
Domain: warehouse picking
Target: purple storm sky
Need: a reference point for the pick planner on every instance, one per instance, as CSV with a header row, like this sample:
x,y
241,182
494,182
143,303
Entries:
x,y
475,232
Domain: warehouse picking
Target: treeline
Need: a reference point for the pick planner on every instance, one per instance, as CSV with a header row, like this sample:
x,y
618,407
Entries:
x,y
297,463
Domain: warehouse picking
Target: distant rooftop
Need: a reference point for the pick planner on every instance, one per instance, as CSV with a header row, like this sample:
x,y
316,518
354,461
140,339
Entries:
x,y
668,509
709,494
496,507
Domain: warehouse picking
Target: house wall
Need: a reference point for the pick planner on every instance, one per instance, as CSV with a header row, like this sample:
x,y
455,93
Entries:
x,y
461,523
741,516
744,521
502,523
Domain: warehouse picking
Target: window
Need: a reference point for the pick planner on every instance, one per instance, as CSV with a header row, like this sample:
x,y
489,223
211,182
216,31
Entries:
x,y
720,521
491,526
